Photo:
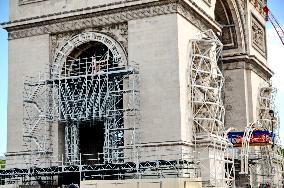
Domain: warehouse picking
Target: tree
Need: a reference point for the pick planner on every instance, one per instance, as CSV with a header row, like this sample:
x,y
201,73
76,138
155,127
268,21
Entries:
x,y
2,164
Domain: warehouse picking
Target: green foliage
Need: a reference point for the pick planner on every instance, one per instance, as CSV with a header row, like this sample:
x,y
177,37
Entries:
x,y
282,151
2,164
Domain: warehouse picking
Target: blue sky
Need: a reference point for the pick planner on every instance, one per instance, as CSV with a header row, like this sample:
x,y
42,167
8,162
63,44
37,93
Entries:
x,y
275,57
3,76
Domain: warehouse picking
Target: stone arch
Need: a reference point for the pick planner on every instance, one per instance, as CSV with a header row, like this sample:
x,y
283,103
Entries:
x,y
86,68
67,47
227,13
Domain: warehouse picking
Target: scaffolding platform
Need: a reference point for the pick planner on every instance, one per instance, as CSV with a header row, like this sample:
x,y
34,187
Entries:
x,y
102,171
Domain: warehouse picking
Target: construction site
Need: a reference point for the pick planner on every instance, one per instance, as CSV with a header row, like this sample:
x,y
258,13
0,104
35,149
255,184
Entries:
x,y
141,94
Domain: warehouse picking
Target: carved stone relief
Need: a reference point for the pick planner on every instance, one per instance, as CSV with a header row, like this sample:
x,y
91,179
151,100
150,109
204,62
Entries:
x,y
242,4
57,39
206,82
258,36
117,31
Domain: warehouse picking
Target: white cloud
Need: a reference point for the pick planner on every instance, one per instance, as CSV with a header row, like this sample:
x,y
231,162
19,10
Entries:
x,y
275,50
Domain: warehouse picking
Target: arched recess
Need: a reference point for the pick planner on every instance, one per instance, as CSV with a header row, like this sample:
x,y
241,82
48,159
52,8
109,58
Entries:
x,y
89,72
227,14
81,42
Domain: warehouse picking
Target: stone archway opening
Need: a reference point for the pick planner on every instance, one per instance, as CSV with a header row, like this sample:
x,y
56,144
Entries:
x,y
224,16
90,85
85,66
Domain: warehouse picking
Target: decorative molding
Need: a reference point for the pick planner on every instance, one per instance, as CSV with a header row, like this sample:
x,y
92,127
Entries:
x,y
242,4
98,19
248,63
65,47
24,2
57,39
258,36
202,11
208,2
185,11
241,13
117,31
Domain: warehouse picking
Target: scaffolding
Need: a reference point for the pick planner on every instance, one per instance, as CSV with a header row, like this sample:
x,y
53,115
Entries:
x,y
267,161
267,112
101,90
98,88
37,120
261,158
212,147
104,89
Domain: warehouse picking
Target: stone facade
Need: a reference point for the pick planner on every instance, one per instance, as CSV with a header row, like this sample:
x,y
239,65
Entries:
x,y
125,22
155,35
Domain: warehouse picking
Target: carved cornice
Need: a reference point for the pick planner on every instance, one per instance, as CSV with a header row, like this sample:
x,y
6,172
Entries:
x,y
249,63
24,2
202,13
197,19
81,21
